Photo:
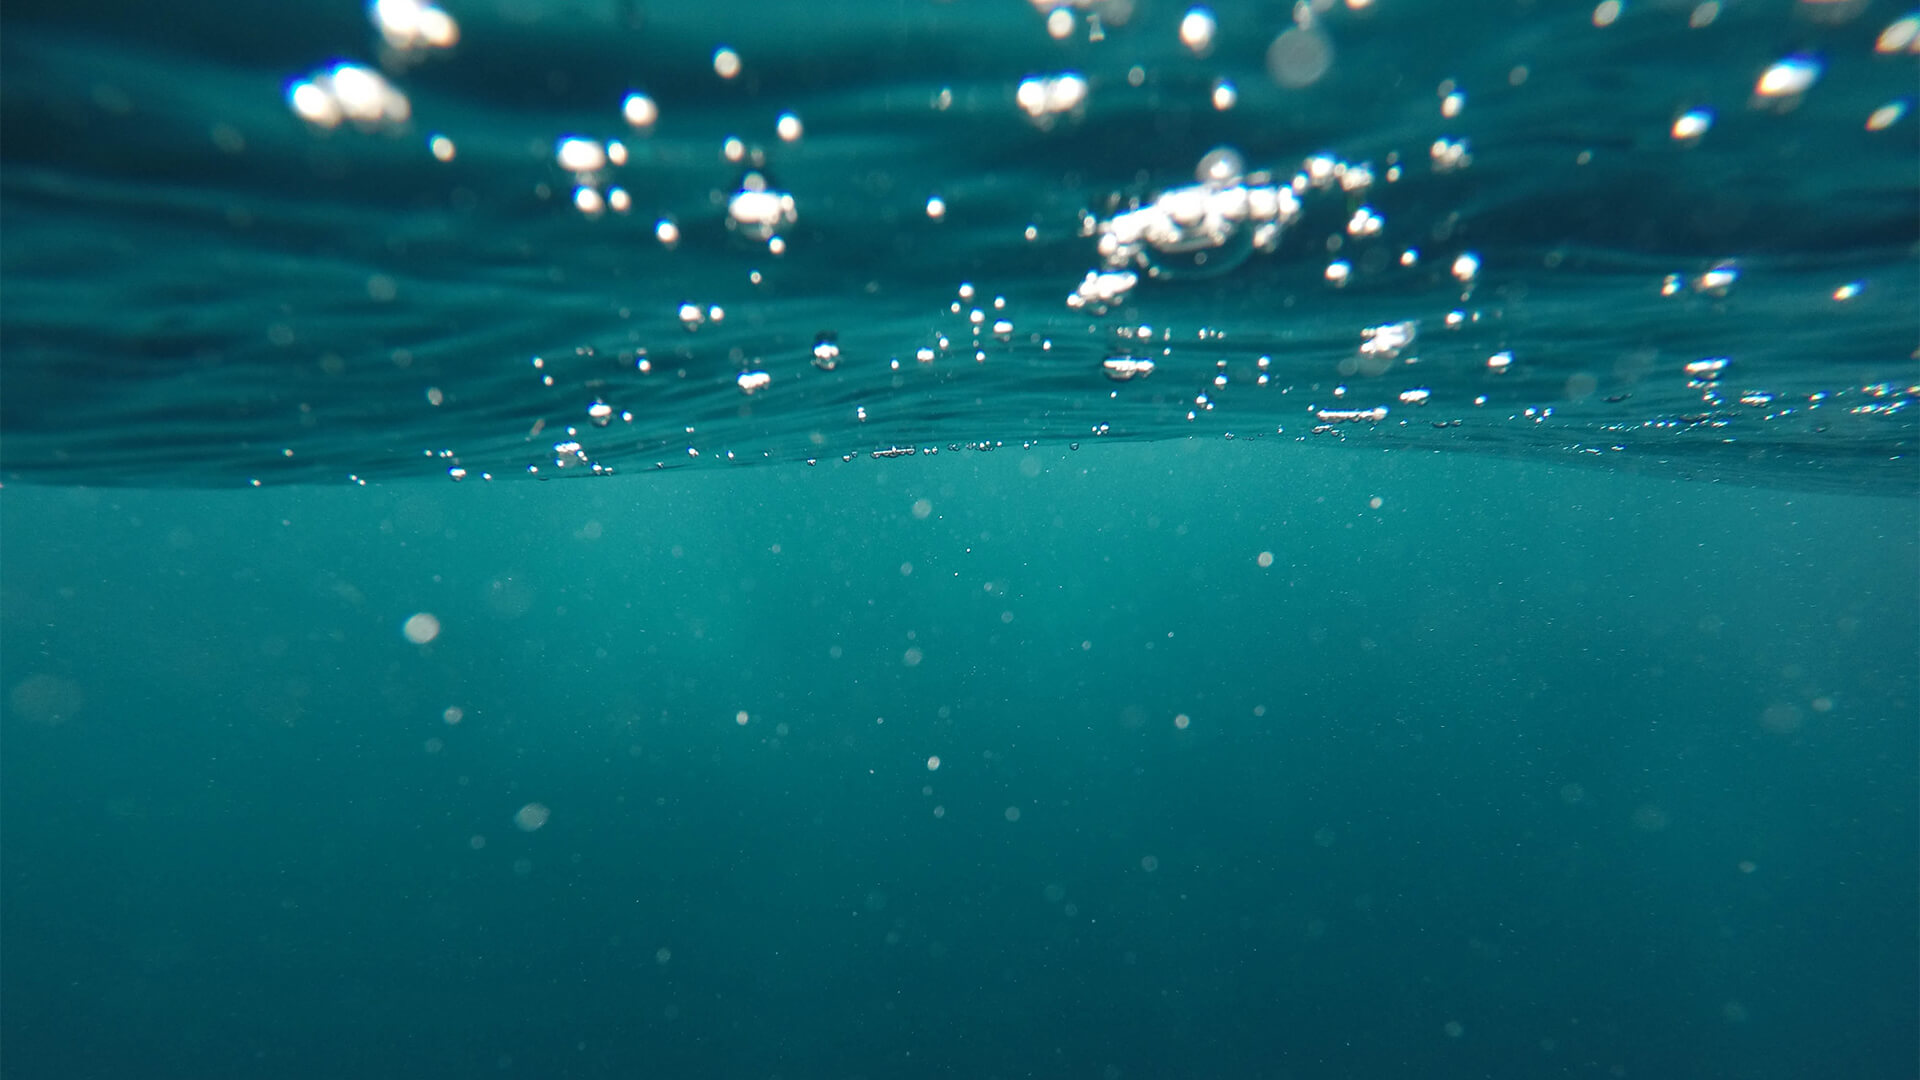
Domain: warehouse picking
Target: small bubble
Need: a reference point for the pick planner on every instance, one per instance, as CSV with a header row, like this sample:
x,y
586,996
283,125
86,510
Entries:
x,y
421,628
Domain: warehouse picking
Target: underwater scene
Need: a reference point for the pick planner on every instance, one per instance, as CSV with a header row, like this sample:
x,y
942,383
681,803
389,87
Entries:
x,y
960,539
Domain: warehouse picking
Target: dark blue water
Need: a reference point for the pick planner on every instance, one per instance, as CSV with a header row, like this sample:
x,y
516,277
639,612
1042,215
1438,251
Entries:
x,y
1481,638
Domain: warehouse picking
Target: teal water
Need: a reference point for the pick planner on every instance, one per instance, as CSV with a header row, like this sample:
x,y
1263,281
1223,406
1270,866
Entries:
x,y
1523,772
1457,618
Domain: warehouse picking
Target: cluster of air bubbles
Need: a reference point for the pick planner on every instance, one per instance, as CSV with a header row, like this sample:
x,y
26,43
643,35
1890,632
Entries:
x,y
1211,225
413,26
759,212
587,161
1045,97
349,93
1450,154
1199,220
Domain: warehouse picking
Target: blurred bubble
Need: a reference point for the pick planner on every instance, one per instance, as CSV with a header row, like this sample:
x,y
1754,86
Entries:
x,y
421,628
640,111
1196,31
46,699
1299,57
531,816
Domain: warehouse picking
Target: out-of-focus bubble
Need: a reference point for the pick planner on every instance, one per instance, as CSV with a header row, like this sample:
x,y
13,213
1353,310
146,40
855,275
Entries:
x,y
1886,115
1059,23
666,232
1901,35
1196,31
619,201
1102,289
733,150
1224,95
788,127
1386,342
46,699
348,92
1299,57
1220,168
1605,12
578,155
936,207
1703,15
1451,105
421,628
826,350
1044,97
409,25
1338,271
1450,154
531,817
726,63
1718,281
758,211
753,381
442,147
1466,267
616,152
1692,124
1788,78
640,111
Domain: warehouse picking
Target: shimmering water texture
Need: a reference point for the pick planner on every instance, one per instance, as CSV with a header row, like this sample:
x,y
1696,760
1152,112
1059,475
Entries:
x,y
514,239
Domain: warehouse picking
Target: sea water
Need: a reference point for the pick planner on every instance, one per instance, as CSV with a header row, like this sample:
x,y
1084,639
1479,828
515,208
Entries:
x,y
1091,540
